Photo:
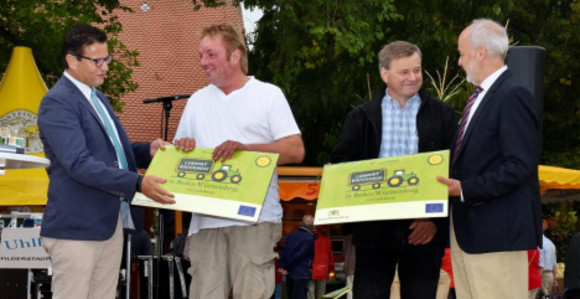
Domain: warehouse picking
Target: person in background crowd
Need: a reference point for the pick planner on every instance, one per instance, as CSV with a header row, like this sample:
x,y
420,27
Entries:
x,y
279,279
296,259
534,273
446,266
349,259
322,265
548,263
572,270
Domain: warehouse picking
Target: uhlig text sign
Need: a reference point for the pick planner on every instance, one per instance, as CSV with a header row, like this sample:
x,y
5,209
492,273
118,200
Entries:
x,y
21,248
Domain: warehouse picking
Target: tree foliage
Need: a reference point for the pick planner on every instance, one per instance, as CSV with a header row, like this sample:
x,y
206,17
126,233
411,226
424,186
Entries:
x,y
554,26
323,55
41,26
549,24
566,216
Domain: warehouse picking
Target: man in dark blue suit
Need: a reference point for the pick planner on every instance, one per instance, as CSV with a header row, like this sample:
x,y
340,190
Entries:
x,y
92,173
495,202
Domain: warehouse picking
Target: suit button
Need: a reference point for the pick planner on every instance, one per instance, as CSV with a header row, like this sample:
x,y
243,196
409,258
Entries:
x,y
116,163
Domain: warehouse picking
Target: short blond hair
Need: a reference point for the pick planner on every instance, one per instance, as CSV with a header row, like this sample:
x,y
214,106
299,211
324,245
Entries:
x,y
233,39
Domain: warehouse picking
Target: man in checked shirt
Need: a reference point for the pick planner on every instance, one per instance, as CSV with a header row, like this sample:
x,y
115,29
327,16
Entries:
x,y
401,119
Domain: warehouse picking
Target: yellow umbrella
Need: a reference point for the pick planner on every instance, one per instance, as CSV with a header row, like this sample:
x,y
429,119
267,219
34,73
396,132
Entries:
x,y
558,178
21,91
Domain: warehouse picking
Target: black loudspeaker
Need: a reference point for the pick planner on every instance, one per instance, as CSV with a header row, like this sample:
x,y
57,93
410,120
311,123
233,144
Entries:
x,y
528,63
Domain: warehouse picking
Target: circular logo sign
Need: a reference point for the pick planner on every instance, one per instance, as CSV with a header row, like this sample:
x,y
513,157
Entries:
x,y
263,161
435,159
19,128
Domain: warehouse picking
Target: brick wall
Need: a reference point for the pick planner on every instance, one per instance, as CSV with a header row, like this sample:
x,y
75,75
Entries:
x,y
167,38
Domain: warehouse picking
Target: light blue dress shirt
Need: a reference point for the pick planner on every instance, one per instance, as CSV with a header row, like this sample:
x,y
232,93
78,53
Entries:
x,y
399,136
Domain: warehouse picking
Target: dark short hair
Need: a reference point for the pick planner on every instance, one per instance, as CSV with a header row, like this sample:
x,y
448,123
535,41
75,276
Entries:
x,y
396,50
78,37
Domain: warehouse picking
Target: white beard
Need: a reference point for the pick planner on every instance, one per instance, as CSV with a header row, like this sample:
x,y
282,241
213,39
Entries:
x,y
469,79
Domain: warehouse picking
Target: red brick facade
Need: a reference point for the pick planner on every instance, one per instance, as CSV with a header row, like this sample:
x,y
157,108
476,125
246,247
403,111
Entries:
x,y
167,38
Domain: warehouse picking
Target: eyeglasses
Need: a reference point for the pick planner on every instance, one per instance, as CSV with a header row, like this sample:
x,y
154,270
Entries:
x,y
98,61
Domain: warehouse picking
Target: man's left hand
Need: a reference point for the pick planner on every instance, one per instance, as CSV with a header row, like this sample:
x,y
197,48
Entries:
x,y
157,144
454,185
423,231
225,150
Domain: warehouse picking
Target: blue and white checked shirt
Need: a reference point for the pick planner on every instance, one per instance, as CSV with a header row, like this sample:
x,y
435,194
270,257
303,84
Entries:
x,y
399,127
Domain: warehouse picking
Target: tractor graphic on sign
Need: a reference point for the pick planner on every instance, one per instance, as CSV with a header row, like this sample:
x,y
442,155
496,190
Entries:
x,y
399,177
378,177
204,170
227,172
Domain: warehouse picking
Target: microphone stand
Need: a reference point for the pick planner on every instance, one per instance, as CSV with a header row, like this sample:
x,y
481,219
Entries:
x,y
167,106
166,110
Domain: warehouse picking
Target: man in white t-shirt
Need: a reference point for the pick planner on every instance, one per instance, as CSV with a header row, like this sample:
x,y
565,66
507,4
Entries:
x,y
236,112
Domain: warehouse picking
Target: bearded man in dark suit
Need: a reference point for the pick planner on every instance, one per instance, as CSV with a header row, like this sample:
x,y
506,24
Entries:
x,y
495,201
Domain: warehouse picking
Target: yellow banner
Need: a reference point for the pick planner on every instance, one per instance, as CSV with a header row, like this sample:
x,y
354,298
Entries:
x,y
21,91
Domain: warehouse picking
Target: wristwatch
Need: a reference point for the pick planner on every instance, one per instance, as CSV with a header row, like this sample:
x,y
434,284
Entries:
x,y
139,181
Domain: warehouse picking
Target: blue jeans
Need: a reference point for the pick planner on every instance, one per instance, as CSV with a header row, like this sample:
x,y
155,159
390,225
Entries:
x,y
277,292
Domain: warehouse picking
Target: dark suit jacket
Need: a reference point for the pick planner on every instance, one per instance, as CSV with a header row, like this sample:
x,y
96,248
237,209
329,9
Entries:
x,y
298,253
86,183
498,169
361,140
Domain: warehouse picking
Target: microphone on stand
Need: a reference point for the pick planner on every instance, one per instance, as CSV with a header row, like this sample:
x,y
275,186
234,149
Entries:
x,y
167,105
166,99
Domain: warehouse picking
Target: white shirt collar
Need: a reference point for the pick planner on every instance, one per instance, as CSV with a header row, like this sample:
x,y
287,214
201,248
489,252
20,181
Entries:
x,y
485,85
488,82
85,89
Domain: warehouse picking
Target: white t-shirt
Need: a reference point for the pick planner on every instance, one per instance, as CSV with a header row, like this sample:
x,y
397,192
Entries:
x,y
257,113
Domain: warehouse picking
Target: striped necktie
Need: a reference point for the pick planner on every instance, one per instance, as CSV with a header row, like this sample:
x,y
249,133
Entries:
x,y
110,131
463,122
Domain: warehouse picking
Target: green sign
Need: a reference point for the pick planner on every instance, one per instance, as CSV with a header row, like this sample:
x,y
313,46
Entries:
x,y
235,188
403,187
